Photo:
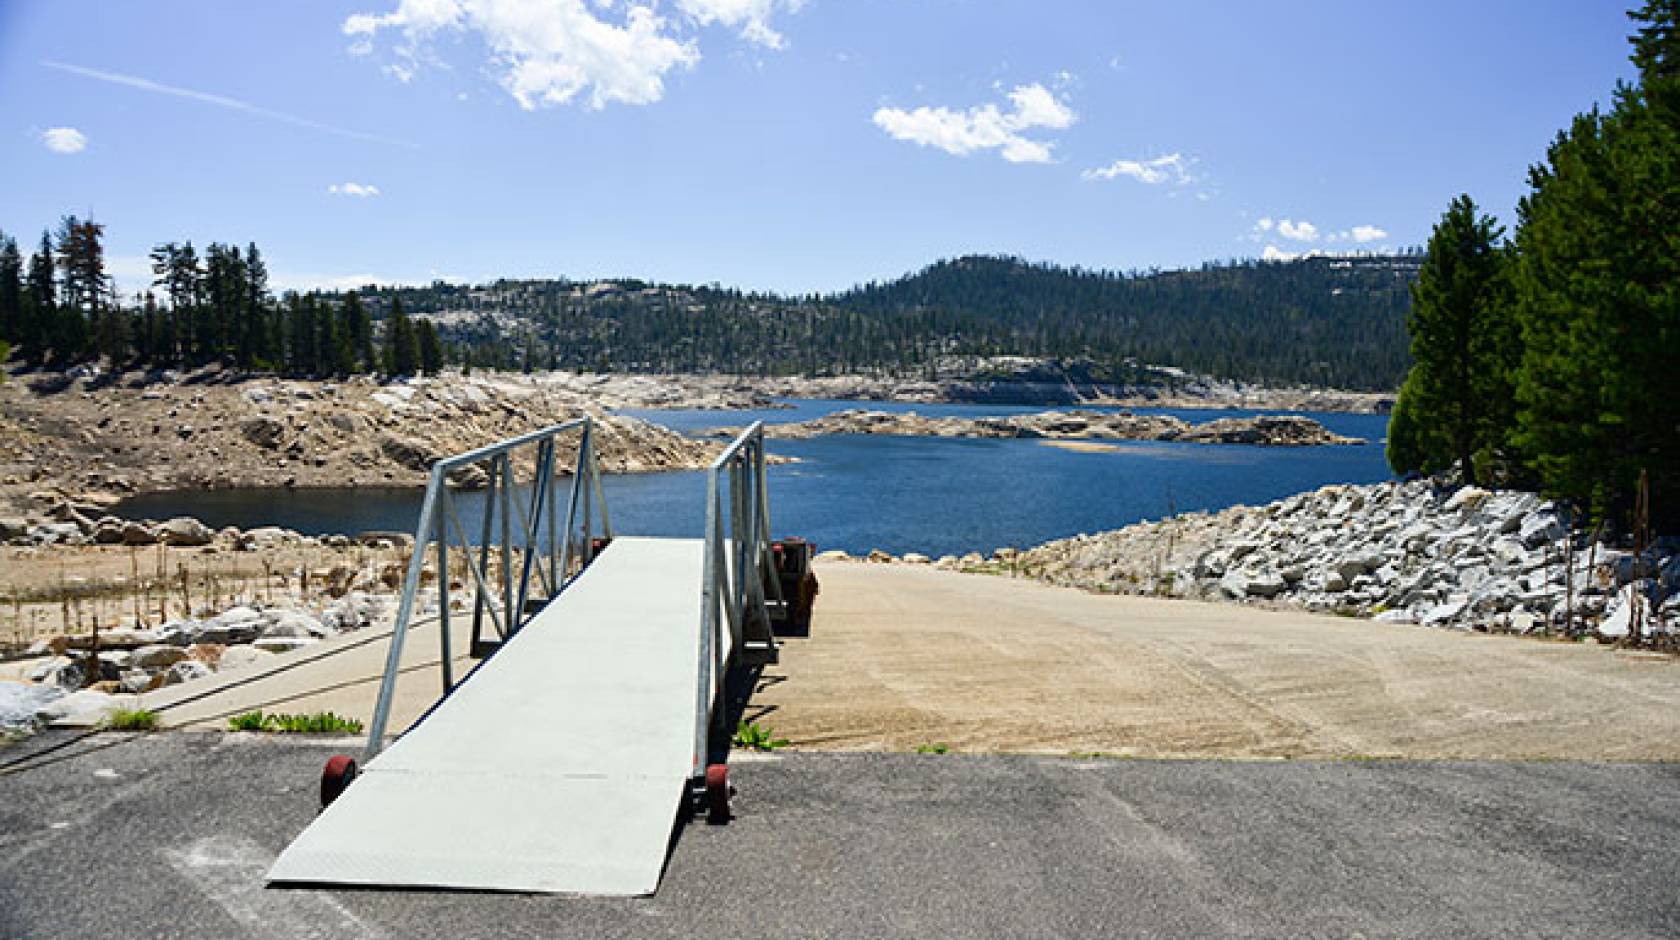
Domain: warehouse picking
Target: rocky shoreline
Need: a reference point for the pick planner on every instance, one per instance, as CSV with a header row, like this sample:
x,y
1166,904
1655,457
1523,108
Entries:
x,y
1412,552
1029,380
1266,430
94,439
73,647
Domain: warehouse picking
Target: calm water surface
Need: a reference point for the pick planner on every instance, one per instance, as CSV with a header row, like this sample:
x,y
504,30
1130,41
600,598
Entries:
x,y
933,495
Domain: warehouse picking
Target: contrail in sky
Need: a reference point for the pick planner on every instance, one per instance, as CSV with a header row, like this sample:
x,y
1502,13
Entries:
x,y
221,101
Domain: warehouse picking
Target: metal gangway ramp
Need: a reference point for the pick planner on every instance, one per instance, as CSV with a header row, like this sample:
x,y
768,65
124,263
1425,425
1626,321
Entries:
x,y
561,762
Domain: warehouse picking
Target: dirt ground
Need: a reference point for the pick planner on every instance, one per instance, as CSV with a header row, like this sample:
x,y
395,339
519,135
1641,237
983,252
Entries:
x,y
57,589
907,657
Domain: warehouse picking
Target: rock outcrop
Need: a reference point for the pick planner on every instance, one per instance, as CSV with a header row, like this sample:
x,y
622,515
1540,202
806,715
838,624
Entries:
x,y
98,436
1269,430
1405,552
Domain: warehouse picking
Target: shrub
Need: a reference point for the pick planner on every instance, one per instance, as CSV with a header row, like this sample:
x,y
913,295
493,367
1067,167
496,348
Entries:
x,y
749,735
136,719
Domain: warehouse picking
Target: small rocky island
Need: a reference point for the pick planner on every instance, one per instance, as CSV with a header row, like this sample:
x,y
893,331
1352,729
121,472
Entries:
x,y
1269,430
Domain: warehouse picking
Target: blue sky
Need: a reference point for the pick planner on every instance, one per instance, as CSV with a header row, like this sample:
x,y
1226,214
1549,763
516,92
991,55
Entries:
x,y
794,146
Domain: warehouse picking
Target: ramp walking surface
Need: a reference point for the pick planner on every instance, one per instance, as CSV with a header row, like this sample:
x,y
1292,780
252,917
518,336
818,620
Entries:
x,y
557,766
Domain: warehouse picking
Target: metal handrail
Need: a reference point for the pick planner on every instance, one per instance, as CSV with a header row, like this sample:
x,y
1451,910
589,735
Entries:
x,y
738,565
544,545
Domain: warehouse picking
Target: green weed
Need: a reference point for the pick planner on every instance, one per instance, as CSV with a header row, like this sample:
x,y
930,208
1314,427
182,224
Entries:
x,y
135,719
755,738
318,723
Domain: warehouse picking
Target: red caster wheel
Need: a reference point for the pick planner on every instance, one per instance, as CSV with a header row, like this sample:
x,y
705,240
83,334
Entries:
x,y
717,794
335,777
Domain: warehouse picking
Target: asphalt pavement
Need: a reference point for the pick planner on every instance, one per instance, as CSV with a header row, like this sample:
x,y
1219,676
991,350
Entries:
x,y
169,834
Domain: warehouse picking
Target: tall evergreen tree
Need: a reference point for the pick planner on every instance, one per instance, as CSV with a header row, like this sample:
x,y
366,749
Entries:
x,y
349,352
175,270
255,345
1598,292
1463,349
431,347
300,335
402,344
11,291
356,329
40,302
84,294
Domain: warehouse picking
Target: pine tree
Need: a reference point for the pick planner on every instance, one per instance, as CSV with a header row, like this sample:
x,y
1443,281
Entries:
x,y
431,348
402,344
256,347
1463,349
1598,293
84,294
175,270
356,328
40,303
300,335
350,352
11,291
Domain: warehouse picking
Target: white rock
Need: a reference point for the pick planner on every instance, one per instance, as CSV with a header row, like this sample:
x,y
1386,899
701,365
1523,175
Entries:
x,y
80,708
1539,529
1469,497
185,531
186,671
241,657
291,626
21,702
1444,613
1618,620
157,656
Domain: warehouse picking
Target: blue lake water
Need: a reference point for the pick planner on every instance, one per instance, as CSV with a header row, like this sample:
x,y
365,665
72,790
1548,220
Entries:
x,y
933,495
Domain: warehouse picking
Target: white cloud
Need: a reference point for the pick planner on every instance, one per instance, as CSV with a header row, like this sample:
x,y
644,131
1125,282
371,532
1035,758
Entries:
x,y
1173,168
221,101
1274,253
1368,233
986,127
359,190
1302,231
1264,225
552,52
751,16
64,140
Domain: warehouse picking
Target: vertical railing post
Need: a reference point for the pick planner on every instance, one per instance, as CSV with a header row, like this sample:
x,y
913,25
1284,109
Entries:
x,y
485,531
600,493
443,595
553,519
586,467
704,694
571,514
405,609
510,617
530,527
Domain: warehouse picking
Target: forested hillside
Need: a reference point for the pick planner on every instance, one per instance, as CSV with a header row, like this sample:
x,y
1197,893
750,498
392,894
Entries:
x,y
1336,322
1325,322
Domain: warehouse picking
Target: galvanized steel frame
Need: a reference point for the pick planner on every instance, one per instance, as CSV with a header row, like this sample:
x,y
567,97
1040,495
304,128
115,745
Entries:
x,y
738,565
546,549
